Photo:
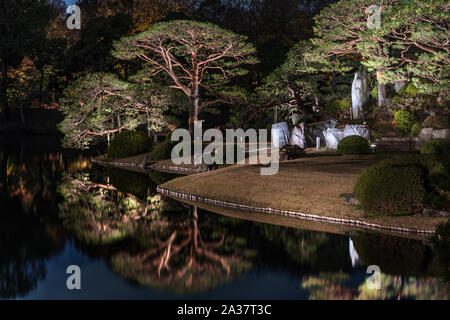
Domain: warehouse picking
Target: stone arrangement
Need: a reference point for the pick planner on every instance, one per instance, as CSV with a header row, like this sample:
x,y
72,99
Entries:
x,y
427,134
333,135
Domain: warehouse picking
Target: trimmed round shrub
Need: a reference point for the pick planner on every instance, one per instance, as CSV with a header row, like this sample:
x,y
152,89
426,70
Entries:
x,y
129,143
353,145
392,187
403,121
415,130
437,121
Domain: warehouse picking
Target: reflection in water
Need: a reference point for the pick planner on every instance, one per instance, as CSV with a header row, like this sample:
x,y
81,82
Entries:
x,y
27,239
99,212
353,253
332,287
166,247
185,255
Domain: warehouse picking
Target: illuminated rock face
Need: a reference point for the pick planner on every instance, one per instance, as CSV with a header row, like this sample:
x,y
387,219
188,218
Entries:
x,y
332,137
280,134
357,130
359,94
298,136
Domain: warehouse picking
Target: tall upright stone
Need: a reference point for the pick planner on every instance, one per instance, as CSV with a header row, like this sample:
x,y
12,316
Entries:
x,y
359,94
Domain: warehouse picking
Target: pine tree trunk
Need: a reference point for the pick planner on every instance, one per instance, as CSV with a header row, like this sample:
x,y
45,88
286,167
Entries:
x,y
193,113
119,123
194,99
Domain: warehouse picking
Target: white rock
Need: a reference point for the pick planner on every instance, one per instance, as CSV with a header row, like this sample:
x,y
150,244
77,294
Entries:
x,y
298,136
280,134
357,130
440,134
425,134
359,94
332,137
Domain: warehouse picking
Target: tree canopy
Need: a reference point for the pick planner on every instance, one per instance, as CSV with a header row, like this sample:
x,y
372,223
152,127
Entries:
x,y
193,57
100,104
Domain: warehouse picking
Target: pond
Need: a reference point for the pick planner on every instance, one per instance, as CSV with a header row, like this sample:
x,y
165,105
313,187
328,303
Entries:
x,y
57,210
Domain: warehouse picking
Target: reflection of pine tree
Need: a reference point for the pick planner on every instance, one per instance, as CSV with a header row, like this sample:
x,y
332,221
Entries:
x,y
185,256
99,212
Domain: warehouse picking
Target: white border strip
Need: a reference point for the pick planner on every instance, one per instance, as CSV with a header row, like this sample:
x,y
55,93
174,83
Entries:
x,y
307,216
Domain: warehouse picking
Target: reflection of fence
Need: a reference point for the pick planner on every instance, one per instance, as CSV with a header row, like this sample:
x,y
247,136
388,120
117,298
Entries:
x,y
314,217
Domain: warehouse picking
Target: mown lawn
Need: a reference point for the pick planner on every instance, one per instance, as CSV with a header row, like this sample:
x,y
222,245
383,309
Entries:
x,y
313,185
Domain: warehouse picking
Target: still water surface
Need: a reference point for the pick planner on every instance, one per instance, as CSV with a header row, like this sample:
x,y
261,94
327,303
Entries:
x,y
57,210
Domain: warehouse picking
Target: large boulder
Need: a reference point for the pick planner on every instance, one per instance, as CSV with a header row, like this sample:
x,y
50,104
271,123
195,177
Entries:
x,y
298,136
280,134
440,134
357,130
427,134
313,132
332,137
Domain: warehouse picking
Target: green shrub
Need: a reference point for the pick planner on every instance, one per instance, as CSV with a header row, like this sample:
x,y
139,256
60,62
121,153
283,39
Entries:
x,y
374,93
403,121
415,130
338,105
408,90
163,151
392,187
439,148
438,121
439,172
353,145
403,185
129,143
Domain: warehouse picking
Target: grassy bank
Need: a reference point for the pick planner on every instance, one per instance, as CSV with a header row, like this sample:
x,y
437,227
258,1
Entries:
x,y
312,185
